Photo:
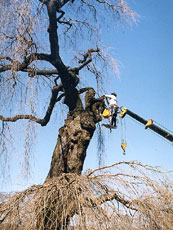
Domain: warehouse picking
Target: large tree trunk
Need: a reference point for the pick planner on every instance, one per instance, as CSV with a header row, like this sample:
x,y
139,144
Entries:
x,y
74,137
69,155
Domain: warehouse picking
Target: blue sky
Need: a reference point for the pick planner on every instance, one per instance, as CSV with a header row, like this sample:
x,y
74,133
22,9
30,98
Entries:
x,y
145,52
145,55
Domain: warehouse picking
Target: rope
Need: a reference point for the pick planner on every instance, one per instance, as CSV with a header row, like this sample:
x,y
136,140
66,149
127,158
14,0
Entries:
x,y
161,137
153,131
123,135
163,127
123,130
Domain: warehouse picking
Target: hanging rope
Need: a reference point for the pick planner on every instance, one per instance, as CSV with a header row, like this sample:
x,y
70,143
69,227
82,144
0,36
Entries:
x,y
161,137
163,127
153,131
123,135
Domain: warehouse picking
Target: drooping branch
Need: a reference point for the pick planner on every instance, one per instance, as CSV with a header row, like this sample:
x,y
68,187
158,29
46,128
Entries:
x,y
52,103
120,8
45,120
129,163
131,203
110,197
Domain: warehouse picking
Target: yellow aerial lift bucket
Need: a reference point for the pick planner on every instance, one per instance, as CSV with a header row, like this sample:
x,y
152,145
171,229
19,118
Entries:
x,y
106,113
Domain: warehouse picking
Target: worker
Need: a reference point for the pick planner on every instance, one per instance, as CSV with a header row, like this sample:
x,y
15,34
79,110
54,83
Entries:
x,y
112,102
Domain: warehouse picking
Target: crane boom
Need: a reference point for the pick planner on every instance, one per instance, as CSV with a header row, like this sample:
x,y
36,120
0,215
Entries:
x,y
148,124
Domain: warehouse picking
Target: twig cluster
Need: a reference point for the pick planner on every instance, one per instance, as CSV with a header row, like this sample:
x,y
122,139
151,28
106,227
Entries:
x,y
129,198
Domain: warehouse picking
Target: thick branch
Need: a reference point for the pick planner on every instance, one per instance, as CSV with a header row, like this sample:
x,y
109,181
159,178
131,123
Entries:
x,y
5,68
60,97
52,8
113,196
17,66
19,117
45,120
109,197
53,36
34,72
83,90
53,100
56,61
34,56
6,58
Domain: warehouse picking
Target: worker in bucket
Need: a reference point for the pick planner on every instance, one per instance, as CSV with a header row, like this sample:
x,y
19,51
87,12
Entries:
x,y
112,102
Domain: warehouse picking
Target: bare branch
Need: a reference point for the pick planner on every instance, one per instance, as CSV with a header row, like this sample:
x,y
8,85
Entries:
x,y
87,58
62,14
130,163
18,117
6,58
66,22
35,56
113,196
52,103
17,66
34,72
63,21
5,68
83,90
45,120
92,203
60,97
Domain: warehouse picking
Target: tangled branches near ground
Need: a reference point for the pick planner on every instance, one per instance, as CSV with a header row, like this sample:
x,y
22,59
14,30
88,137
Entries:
x,y
137,197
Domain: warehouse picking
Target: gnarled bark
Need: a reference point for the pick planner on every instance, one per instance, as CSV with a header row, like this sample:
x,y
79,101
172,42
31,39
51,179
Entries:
x,y
70,152
74,137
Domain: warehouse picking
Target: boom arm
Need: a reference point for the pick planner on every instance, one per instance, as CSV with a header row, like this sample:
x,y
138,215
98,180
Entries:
x,y
148,124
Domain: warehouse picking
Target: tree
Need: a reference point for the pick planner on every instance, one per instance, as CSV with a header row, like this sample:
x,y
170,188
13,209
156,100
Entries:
x,y
31,71
27,28
22,58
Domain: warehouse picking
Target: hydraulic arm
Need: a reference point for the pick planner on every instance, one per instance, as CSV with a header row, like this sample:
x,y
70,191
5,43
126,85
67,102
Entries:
x,y
148,124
